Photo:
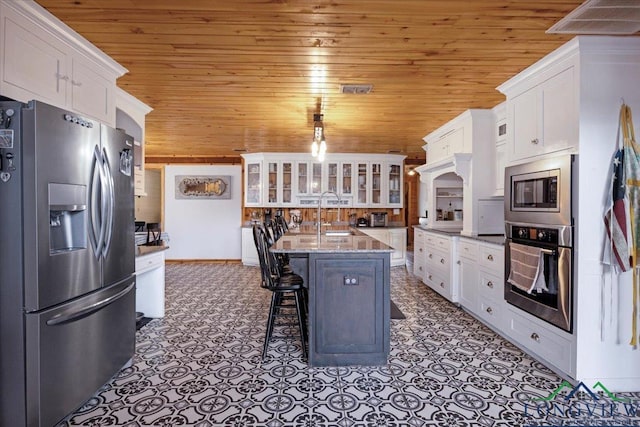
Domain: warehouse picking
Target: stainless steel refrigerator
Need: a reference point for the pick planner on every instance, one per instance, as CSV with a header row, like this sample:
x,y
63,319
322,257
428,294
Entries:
x,y
67,285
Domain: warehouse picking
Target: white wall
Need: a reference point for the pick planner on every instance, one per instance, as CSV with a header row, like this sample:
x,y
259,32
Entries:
x,y
203,229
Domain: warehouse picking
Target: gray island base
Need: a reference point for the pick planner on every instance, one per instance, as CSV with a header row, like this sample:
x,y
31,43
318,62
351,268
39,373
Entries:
x,y
348,279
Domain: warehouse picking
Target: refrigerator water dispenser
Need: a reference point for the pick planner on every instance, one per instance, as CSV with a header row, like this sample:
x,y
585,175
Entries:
x,y
67,217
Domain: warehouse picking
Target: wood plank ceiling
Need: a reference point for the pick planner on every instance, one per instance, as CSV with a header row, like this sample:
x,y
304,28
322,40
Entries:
x,y
229,75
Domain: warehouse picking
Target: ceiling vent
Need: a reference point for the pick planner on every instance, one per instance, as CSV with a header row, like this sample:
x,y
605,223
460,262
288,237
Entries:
x,y
611,17
357,89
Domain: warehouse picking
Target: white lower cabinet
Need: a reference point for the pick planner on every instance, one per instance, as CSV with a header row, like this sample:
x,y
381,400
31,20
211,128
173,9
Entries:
x,y
394,237
419,253
549,344
249,252
439,275
150,284
468,273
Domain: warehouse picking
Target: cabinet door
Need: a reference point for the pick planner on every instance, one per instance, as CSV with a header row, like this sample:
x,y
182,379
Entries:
x,y
253,179
332,177
376,184
559,113
249,252
91,93
316,178
468,272
33,67
398,241
287,179
499,168
347,171
525,114
303,178
394,185
272,183
454,142
361,199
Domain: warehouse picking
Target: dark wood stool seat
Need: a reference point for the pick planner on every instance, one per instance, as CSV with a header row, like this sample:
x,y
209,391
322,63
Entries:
x,y
287,298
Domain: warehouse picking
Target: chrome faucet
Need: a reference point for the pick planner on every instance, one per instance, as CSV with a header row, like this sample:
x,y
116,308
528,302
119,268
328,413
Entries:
x,y
318,221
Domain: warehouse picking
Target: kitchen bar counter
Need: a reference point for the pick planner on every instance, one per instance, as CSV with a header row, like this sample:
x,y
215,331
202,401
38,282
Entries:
x,y
348,278
497,239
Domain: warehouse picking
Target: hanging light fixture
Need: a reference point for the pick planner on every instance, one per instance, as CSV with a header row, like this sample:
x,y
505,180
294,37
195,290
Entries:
x,y
319,145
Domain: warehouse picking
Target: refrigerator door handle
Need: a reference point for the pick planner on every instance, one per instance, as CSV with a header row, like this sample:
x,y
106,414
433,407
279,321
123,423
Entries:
x,y
61,318
95,216
110,201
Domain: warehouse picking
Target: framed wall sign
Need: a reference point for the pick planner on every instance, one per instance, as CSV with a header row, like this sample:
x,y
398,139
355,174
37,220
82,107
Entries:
x,y
203,187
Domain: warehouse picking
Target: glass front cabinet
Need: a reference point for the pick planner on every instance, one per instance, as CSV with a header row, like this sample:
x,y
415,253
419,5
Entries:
x,y
253,184
296,180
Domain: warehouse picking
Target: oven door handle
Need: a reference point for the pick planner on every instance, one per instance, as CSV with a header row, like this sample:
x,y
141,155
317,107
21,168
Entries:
x,y
547,251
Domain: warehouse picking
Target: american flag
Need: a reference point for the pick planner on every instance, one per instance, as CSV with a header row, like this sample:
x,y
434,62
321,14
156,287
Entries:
x,y
615,218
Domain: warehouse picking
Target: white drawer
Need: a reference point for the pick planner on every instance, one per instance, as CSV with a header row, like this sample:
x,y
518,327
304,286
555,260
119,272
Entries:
x,y
419,268
491,311
149,262
491,286
418,237
440,242
438,260
492,258
419,252
543,342
468,249
438,283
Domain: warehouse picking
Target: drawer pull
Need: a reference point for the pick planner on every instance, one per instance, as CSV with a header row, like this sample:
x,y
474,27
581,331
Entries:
x,y
430,255
490,257
430,277
458,262
535,141
420,268
441,260
535,337
490,284
442,284
420,250
489,310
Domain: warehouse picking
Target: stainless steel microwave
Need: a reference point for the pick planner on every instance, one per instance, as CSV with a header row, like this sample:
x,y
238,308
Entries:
x,y
539,192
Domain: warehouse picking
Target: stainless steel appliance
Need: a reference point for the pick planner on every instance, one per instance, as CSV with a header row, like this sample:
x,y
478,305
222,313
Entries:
x,y
552,301
539,192
67,289
378,219
539,223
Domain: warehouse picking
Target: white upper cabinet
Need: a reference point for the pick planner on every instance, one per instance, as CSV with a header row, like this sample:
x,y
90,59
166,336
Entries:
x,y
445,145
296,180
42,58
542,110
500,129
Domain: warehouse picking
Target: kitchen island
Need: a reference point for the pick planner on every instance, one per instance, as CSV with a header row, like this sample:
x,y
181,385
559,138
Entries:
x,y
348,277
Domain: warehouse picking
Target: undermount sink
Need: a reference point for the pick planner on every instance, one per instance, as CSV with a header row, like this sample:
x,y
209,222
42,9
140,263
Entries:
x,y
338,233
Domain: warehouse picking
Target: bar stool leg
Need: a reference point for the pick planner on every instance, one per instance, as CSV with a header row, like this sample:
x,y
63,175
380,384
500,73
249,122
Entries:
x,y
270,322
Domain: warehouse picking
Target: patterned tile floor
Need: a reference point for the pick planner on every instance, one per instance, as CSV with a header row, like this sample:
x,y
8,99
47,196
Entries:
x,y
201,366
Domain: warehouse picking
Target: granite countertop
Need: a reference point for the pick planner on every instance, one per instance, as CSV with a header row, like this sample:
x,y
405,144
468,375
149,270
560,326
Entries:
x,y
142,250
305,240
497,239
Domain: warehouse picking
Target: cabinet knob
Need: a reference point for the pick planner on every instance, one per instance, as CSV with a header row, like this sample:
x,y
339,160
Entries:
x,y
489,310
420,268
441,260
535,337
62,77
490,257
430,255
420,250
535,141
430,277
490,284
442,284
458,262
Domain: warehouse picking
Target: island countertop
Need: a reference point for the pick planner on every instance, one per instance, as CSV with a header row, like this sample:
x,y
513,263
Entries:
x,y
305,239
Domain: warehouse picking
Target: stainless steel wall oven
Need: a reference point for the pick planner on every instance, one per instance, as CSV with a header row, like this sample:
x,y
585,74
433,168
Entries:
x,y
539,239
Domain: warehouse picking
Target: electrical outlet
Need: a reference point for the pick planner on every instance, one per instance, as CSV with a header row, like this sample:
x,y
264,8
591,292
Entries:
x,y
350,280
